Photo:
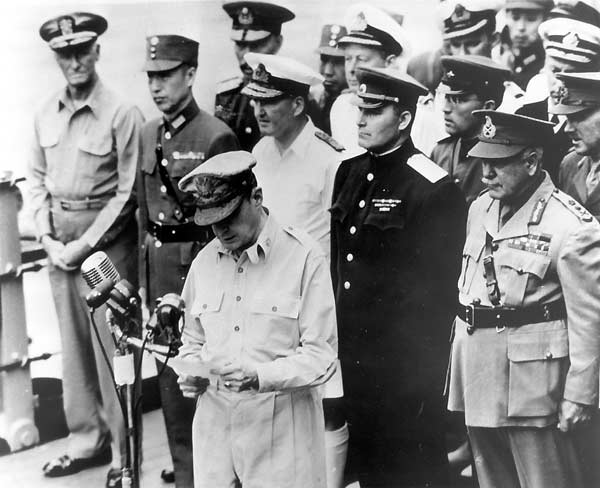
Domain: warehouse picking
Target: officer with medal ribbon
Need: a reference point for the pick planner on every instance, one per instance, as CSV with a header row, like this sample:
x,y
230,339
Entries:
x,y
526,343
256,28
82,191
171,146
397,230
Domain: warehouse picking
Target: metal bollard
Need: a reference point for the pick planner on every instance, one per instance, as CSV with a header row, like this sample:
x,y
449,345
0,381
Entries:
x,y
17,425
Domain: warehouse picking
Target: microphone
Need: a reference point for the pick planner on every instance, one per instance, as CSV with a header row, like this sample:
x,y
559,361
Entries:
x,y
168,312
106,284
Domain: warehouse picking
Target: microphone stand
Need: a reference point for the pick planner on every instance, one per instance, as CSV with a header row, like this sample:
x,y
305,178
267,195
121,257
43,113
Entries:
x,y
125,379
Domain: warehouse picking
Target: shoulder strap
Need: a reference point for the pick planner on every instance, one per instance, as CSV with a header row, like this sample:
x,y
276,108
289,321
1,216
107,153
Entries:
x,y
426,167
329,140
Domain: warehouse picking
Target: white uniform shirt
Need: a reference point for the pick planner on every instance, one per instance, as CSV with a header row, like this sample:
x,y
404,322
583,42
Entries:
x,y
298,184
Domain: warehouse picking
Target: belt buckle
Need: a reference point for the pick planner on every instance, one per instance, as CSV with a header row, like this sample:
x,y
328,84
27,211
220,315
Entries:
x,y
470,318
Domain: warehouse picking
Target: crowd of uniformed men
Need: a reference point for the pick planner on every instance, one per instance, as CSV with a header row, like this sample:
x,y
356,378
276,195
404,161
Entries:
x,y
392,267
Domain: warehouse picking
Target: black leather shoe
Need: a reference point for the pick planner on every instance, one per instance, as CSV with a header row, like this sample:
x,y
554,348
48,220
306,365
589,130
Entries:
x,y
113,478
66,465
167,475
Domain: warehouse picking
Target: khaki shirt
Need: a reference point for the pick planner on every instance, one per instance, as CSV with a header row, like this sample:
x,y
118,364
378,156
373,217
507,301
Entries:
x,y
548,250
272,307
88,153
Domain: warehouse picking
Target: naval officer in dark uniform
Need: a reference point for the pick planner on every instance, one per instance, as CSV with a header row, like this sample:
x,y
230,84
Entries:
x,y
172,145
397,230
470,82
256,28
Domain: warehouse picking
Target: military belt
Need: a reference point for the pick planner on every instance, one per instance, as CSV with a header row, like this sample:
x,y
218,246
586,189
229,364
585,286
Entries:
x,y
500,318
188,232
86,204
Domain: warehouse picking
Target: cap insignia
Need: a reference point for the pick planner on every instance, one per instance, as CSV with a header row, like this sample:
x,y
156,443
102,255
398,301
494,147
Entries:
x,y
335,29
245,17
461,14
66,25
261,74
560,94
360,22
489,129
571,39
332,43
450,74
154,41
362,88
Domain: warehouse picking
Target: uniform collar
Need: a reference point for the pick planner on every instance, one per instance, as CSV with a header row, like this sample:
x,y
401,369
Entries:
x,y
183,118
261,249
302,141
525,215
93,101
400,153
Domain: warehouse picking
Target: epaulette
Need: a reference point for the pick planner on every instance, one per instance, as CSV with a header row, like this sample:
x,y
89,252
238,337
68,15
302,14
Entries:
x,y
301,236
329,140
229,84
426,167
573,206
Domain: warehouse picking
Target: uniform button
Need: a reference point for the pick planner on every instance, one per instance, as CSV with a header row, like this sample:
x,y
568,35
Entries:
x,y
347,285
370,177
549,355
476,301
456,180
167,135
157,243
518,69
494,247
238,298
352,230
362,204
204,306
520,271
161,216
164,162
350,257
163,189
274,308
248,130
237,328
240,270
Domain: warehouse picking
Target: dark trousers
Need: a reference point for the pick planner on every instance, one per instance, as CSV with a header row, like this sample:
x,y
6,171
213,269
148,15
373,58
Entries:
x,y
525,457
178,412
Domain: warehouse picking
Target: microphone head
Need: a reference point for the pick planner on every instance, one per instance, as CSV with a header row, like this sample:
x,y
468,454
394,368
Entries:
x,y
98,268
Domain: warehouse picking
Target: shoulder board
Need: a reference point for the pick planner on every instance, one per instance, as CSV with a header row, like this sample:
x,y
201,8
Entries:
x,y
329,140
573,206
426,167
229,84
301,236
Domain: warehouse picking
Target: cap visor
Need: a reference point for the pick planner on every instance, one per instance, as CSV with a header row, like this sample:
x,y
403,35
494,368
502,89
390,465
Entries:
x,y
488,150
350,39
446,90
463,32
366,103
161,65
524,5
335,52
249,35
566,109
254,90
212,215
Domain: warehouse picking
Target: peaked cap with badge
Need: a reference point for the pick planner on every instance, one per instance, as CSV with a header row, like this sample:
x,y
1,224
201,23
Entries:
x,y
219,185
370,26
330,36
544,5
378,86
504,135
578,92
463,17
571,40
470,73
583,10
166,52
253,21
275,76
73,30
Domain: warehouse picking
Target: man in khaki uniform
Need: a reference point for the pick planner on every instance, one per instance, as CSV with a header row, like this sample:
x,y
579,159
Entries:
x,y
526,344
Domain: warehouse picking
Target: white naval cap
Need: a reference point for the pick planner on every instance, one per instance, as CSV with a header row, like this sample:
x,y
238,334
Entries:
x,y
274,76
463,17
571,40
370,26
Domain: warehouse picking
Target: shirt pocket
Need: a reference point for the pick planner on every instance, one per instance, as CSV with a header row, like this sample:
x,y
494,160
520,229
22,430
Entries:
x,y
538,363
274,322
207,312
471,257
519,271
98,156
49,143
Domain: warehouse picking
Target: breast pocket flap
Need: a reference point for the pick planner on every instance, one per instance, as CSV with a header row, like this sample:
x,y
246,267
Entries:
x,y
282,305
207,302
100,146
527,262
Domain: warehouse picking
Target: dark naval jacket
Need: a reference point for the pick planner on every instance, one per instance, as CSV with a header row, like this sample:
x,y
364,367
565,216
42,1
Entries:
x,y
397,232
170,239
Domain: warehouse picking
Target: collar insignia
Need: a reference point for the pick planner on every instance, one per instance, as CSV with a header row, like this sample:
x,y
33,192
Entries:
x,y
489,129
